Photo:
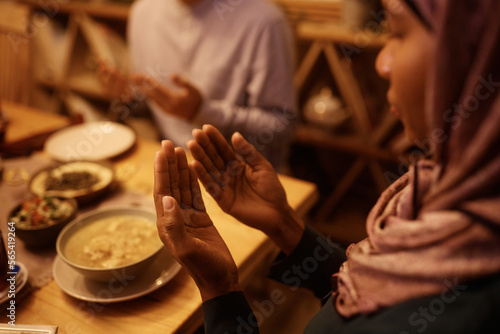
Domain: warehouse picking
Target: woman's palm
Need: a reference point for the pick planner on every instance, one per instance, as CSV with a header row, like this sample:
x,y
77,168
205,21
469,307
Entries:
x,y
248,190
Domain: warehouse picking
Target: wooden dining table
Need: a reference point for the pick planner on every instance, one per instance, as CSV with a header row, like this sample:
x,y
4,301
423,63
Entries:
x,y
176,306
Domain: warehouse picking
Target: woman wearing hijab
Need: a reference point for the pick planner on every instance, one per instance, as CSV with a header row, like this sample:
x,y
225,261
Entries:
x,y
431,261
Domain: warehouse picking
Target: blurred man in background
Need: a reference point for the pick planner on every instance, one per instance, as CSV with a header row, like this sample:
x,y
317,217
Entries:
x,y
226,63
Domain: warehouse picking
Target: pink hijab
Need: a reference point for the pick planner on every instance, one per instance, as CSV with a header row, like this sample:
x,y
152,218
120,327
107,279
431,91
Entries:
x,y
439,225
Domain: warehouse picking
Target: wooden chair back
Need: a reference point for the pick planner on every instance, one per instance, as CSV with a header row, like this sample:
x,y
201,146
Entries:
x,y
15,79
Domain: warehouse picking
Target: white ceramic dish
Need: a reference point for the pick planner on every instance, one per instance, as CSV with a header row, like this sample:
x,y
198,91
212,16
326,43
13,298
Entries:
x,y
161,271
90,141
27,329
21,280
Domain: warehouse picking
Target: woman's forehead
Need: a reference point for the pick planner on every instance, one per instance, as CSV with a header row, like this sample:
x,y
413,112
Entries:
x,y
404,8
396,11
394,7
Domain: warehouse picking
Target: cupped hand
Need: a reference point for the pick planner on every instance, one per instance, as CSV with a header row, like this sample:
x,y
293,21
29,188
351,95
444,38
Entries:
x,y
247,188
185,227
115,84
182,102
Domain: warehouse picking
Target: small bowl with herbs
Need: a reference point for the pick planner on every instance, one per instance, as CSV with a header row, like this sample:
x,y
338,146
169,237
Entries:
x,y
84,181
39,220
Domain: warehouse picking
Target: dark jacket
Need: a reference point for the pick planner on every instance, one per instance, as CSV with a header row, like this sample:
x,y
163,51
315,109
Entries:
x,y
471,308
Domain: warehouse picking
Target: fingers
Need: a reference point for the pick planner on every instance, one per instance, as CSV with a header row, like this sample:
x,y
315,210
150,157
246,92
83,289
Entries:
x,y
215,162
150,87
115,84
211,184
170,227
166,174
103,68
197,199
161,181
104,73
220,143
213,178
108,75
212,162
158,92
184,178
248,152
169,149
181,82
143,81
211,149
174,178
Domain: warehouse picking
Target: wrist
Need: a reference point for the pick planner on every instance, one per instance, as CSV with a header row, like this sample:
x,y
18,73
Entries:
x,y
216,282
289,231
196,109
208,292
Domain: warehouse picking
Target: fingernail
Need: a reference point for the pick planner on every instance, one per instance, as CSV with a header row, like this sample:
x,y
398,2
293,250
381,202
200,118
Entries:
x,y
168,203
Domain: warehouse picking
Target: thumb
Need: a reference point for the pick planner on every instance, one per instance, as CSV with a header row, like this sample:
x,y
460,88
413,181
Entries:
x,y
248,152
144,82
173,220
102,65
181,82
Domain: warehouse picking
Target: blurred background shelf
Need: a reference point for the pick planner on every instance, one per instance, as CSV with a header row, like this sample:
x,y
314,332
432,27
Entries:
x,y
99,9
312,10
68,40
15,61
341,59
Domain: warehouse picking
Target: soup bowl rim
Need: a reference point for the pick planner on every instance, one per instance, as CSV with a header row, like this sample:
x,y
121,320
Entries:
x,y
93,216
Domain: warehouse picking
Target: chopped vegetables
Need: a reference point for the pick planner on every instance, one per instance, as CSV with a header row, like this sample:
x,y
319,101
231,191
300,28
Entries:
x,y
42,212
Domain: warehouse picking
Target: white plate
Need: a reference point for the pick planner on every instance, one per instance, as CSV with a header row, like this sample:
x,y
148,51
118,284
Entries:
x,y
90,141
21,279
162,270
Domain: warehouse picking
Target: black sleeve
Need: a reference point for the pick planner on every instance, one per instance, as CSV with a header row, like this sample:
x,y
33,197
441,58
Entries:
x,y
310,265
229,314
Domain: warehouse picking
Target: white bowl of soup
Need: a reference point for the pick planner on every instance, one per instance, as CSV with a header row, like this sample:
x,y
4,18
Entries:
x,y
110,243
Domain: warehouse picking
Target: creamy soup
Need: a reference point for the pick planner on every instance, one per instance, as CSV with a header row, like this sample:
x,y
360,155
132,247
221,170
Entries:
x,y
112,242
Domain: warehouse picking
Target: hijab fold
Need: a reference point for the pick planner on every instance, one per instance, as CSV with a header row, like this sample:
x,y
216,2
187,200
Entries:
x,y
439,225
